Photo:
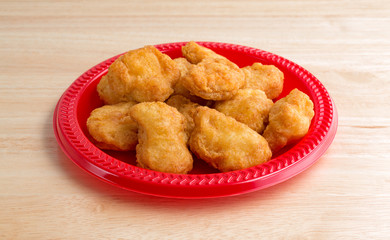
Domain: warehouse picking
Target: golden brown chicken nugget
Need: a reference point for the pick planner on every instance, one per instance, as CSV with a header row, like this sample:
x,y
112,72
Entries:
x,y
225,143
249,106
267,78
140,75
179,88
112,127
214,79
183,65
162,141
195,53
107,94
289,120
185,107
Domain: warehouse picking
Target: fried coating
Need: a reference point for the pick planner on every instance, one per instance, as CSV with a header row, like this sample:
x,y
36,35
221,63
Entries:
x,y
249,106
185,107
112,127
225,143
183,65
162,141
214,79
179,88
195,53
289,120
140,75
107,94
267,78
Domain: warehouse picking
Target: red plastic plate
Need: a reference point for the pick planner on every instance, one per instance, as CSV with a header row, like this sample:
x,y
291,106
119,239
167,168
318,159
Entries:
x,y
118,168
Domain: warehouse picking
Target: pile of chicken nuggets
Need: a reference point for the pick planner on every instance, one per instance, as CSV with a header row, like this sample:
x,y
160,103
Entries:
x,y
201,104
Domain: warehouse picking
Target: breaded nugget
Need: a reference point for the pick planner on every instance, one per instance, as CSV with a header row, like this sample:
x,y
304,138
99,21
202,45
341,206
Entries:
x,y
214,79
162,141
112,127
249,106
225,143
179,88
195,53
182,65
140,75
289,120
267,78
107,94
185,107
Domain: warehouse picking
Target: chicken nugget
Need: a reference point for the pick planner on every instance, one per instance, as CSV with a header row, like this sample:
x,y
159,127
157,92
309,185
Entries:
x,y
249,106
267,78
107,94
112,127
185,107
183,65
162,141
195,53
214,79
289,120
179,88
140,75
225,143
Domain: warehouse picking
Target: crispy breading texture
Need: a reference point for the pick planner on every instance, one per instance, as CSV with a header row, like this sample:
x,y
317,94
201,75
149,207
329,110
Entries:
x,y
267,78
112,127
183,66
185,107
289,120
106,94
162,141
225,143
249,106
195,53
140,75
179,88
214,79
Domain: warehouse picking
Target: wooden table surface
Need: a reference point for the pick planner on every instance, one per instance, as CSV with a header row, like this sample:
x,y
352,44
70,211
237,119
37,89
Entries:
x,y
46,45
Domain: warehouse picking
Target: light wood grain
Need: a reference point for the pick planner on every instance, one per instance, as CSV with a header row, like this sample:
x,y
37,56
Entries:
x,y
46,45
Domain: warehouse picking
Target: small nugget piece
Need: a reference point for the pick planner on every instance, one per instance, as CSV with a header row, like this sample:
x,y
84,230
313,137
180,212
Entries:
x,y
267,78
107,94
183,65
162,141
225,143
140,75
185,107
112,127
195,53
214,79
289,120
179,88
249,106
